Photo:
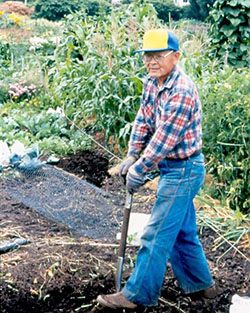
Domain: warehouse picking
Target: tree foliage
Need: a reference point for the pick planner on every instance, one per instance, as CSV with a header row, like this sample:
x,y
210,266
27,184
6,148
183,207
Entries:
x,y
198,9
55,11
96,7
166,10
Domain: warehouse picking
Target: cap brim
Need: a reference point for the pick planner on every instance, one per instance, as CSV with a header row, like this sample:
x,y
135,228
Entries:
x,y
151,50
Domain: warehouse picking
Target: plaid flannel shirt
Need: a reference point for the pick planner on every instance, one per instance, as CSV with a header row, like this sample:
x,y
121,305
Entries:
x,y
168,123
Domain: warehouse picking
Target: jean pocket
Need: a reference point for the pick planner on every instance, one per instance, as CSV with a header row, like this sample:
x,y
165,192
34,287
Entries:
x,y
198,171
198,163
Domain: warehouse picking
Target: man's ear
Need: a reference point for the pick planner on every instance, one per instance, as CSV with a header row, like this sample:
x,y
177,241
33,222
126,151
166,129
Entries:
x,y
177,55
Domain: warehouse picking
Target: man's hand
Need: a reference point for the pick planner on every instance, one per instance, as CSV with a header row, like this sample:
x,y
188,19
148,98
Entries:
x,y
125,165
134,180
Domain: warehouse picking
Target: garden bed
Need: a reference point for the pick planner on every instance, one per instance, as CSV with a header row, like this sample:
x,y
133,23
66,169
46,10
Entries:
x,y
63,271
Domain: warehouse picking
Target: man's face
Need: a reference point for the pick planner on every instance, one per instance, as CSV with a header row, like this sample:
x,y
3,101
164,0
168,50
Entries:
x,y
160,64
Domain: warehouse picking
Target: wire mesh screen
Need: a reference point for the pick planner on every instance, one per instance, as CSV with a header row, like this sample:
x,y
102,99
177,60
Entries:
x,y
67,199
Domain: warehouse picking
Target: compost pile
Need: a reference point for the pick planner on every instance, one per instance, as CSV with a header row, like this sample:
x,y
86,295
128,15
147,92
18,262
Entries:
x,y
62,270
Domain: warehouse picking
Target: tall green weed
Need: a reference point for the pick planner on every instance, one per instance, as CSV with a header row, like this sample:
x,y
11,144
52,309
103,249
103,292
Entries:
x,y
225,96
96,72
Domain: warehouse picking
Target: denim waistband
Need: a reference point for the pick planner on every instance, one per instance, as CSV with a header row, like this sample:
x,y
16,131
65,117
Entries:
x,y
195,154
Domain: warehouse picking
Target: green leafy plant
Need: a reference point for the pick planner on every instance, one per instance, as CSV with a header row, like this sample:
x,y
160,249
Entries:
x,y
96,72
230,31
226,135
47,128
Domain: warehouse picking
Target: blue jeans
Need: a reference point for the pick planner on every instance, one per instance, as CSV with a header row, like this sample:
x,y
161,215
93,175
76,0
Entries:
x,y
171,234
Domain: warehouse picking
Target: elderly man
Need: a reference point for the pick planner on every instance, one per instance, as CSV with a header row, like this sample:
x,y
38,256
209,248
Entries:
x,y
166,134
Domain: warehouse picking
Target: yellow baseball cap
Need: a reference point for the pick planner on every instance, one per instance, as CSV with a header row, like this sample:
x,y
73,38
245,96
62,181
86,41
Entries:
x,y
159,40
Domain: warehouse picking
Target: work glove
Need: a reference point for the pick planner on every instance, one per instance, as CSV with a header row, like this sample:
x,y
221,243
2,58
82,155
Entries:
x,y
134,181
124,167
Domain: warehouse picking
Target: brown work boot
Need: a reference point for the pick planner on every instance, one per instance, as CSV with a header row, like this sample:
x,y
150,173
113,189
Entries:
x,y
116,301
209,293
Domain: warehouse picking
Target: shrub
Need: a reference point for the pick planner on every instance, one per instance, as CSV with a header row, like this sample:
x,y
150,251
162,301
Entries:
x,y
96,7
166,10
198,9
54,10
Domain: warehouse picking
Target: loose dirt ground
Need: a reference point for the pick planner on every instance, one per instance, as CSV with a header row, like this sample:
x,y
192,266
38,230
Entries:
x,y
61,271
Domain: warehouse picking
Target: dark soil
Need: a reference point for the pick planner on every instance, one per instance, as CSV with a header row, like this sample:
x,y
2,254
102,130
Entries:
x,y
62,271
92,167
